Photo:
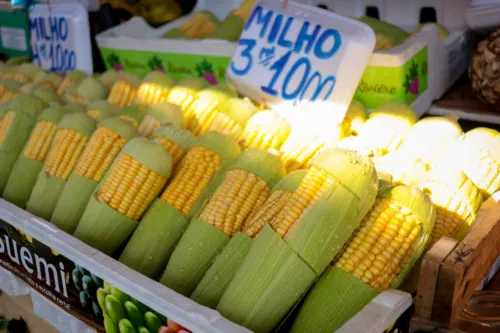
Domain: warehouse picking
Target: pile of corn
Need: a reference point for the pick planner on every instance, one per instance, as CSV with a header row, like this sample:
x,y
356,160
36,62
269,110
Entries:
x,y
231,204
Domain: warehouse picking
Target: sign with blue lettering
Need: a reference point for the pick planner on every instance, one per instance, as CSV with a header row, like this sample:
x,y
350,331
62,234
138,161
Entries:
x,y
60,37
292,55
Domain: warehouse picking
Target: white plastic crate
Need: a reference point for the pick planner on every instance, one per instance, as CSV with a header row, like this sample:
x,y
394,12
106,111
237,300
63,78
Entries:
x,y
381,312
445,60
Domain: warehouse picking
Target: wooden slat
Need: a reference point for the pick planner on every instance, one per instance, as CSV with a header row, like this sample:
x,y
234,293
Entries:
x,y
429,274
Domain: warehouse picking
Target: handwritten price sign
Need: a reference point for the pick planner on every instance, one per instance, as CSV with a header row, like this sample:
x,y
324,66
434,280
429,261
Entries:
x,y
300,54
60,38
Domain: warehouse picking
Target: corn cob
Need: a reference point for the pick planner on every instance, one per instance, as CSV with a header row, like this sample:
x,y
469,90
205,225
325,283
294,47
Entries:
x,y
390,240
203,110
70,78
103,147
69,142
245,186
20,116
184,92
355,118
154,88
134,114
197,26
265,130
117,205
428,139
101,109
175,141
302,145
90,89
231,27
109,78
388,126
232,116
219,275
46,94
387,35
404,167
337,191
456,200
48,80
124,89
194,180
29,164
24,73
356,144
482,162
71,93
161,114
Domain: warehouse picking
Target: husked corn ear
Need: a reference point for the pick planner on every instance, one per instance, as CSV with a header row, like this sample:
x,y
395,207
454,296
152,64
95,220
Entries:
x,y
8,90
403,166
24,73
175,141
91,89
354,119
131,187
232,116
70,78
184,92
161,114
124,90
197,170
203,110
265,130
67,148
456,200
280,195
109,77
154,88
101,110
477,154
300,147
48,80
391,237
40,140
134,114
388,126
198,26
6,124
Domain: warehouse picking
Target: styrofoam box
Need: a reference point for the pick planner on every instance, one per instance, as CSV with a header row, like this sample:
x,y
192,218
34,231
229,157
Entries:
x,y
447,59
376,317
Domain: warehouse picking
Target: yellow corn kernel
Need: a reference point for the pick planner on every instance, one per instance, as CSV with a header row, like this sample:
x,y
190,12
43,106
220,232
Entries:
x,y
181,98
74,99
311,188
66,149
191,178
233,201
7,96
103,147
176,151
151,93
148,126
66,82
49,85
266,213
383,244
200,115
21,77
122,93
94,113
131,187
297,152
5,125
40,141
226,125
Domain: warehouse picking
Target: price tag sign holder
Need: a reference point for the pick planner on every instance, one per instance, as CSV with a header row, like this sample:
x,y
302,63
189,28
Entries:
x,y
300,59
14,32
60,37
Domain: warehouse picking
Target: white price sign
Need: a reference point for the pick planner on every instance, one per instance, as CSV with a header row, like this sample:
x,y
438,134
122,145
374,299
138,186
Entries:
x,y
294,54
60,38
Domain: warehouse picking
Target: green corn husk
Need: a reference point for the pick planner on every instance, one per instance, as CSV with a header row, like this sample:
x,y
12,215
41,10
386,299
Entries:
x,y
163,218
133,113
27,109
25,171
78,189
48,188
47,95
101,226
161,79
215,282
316,238
103,108
280,278
109,77
186,267
75,107
338,295
320,301
184,91
167,113
92,89
219,275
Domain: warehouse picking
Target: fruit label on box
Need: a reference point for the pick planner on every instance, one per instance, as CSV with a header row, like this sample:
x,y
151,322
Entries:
x,y
73,288
293,56
60,38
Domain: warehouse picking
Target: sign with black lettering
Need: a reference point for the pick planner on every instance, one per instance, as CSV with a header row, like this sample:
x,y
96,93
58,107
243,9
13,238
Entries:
x,y
60,38
293,54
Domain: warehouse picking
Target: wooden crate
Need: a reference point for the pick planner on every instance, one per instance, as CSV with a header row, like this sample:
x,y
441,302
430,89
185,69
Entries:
x,y
451,271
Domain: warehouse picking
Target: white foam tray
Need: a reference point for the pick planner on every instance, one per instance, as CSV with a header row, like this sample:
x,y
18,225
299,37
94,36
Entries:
x,y
376,317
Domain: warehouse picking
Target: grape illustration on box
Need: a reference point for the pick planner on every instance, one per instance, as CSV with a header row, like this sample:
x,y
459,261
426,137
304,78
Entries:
x,y
87,284
411,83
205,70
155,64
114,61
